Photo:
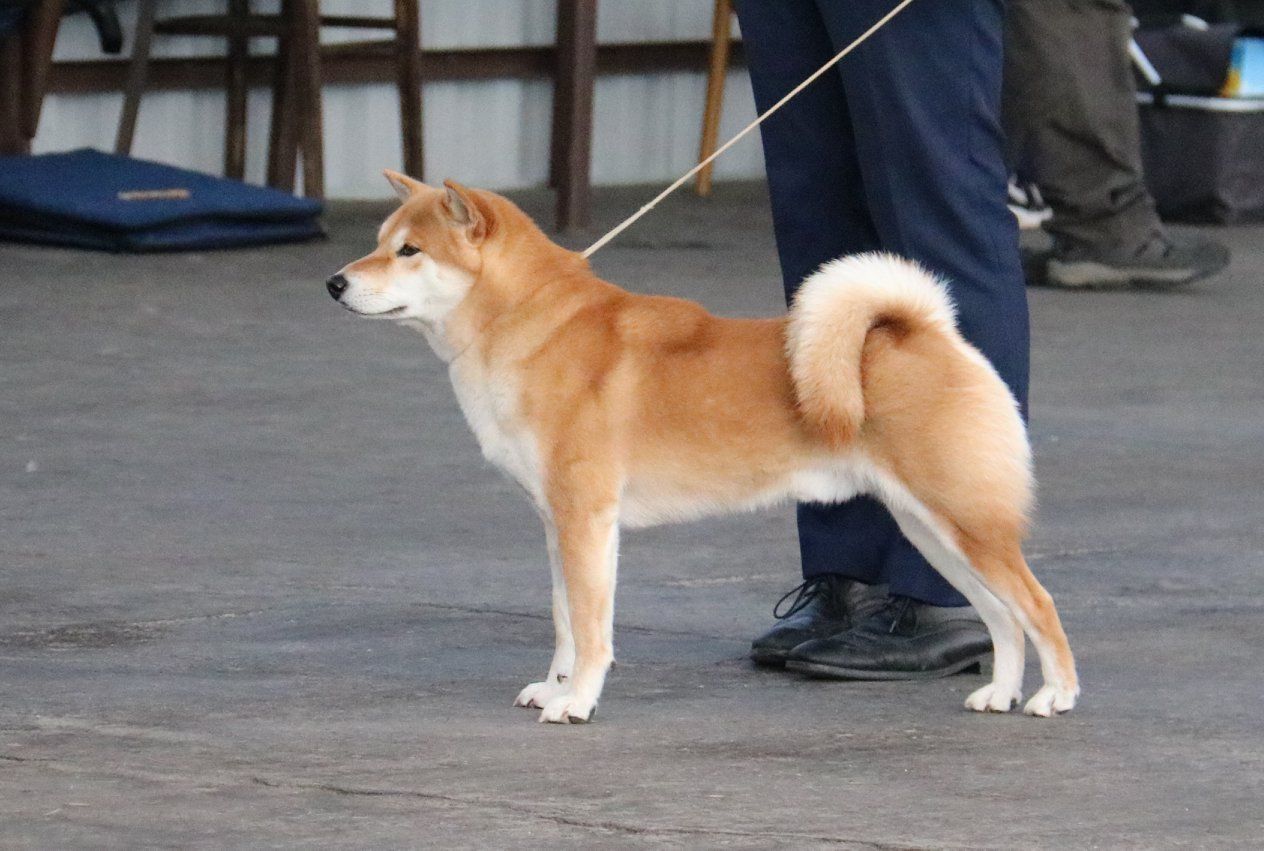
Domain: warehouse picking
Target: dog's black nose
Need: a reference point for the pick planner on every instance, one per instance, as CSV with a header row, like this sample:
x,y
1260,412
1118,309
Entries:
x,y
337,285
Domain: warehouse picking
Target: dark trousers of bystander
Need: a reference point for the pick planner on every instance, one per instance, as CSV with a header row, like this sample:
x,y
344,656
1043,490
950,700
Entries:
x,y
1070,118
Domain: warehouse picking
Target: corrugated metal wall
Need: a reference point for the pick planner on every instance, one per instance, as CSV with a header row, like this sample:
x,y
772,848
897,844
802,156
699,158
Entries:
x,y
491,133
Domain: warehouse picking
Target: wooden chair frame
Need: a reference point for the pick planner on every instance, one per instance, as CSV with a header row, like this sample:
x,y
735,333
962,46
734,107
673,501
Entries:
x,y
26,57
717,71
297,119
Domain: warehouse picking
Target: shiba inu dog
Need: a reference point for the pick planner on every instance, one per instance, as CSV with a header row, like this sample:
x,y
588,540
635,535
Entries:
x,y
615,410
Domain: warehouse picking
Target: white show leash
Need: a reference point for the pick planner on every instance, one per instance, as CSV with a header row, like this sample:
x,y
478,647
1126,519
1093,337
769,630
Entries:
x,y
626,223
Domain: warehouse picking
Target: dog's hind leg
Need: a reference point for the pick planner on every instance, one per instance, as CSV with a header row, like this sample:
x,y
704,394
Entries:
x,y
990,571
537,695
1008,646
588,542
1007,575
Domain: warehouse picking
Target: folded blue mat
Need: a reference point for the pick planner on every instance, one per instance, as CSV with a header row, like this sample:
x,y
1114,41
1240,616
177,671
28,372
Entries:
x,y
95,200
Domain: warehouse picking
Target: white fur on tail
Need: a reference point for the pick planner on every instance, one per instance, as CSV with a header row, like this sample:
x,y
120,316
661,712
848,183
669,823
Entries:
x,y
834,311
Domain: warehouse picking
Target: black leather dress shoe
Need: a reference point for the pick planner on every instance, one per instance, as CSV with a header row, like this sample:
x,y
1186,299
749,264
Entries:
x,y
821,606
903,640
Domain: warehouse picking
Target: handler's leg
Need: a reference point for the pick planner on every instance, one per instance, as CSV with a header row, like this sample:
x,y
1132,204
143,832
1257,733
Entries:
x,y
813,175
924,98
819,213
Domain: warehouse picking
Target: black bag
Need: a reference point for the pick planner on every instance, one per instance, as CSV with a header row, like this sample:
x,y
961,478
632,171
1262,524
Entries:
x,y
1188,60
1204,157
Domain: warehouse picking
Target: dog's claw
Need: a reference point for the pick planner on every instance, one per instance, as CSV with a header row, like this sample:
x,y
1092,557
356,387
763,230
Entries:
x,y
537,695
993,698
1051,700
566,709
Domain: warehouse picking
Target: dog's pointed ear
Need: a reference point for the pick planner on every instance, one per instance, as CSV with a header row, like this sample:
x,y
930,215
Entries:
x,y
463,209
405,187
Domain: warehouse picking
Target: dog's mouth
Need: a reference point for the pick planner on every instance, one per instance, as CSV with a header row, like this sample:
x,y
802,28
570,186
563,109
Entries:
x,y
381,314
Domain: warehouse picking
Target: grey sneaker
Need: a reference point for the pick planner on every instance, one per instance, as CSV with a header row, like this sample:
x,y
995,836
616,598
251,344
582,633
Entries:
x,y
1163,260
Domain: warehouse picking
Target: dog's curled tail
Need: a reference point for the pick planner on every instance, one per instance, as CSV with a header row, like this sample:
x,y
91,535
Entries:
x,y
833,314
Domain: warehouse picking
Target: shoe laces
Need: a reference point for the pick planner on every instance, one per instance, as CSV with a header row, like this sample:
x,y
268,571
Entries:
x,y
896,608
803,594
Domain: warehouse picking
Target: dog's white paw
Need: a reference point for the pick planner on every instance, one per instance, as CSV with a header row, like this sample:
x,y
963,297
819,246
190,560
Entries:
x,y
1051,700
567,709
537,695
993,698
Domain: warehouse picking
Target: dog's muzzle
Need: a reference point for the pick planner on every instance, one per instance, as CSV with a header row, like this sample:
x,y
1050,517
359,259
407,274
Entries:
x,y
337,285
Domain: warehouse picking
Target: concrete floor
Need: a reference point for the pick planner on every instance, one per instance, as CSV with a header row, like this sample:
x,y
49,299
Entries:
x,y
258,589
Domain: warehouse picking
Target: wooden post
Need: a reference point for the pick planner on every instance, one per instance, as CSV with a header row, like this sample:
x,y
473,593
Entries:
x,y
312,129
721,27
11,139
573,111
137,76
283,133
235,91
408,79
38,38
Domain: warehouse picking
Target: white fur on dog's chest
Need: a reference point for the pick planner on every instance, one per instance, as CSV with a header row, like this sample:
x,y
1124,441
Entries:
x,y
490,405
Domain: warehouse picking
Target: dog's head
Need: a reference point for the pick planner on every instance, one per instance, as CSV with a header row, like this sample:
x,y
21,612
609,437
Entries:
x,y
429,254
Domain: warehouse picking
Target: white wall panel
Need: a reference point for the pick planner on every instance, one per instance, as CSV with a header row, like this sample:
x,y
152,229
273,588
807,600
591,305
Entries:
x,y
490,133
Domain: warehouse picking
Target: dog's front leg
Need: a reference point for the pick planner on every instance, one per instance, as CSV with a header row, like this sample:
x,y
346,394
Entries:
x,y
557,680
588,543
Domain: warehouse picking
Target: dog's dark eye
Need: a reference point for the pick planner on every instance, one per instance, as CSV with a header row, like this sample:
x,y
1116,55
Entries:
x,y
408,251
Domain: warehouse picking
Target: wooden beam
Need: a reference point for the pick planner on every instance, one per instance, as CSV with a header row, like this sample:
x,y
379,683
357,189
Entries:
x,y
38,36
12,140
721,41
574,81
377,64
257,26
407,42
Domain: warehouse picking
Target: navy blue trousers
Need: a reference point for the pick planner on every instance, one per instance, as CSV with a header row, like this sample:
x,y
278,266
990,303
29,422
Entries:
x,y
898,148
